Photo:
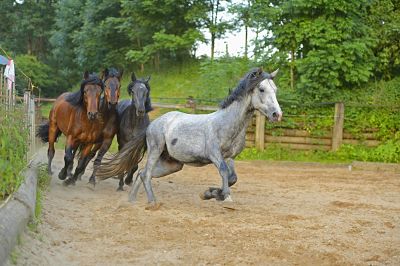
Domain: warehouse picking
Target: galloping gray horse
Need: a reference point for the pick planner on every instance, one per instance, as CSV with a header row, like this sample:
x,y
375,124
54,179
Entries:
x,y
176,138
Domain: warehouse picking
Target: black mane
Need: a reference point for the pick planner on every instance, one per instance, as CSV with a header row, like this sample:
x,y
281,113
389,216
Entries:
x,y
112,72
245,86
147,104
76,98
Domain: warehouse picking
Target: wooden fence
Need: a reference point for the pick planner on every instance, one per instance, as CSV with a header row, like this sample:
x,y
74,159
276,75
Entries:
x,y
299,139
260,137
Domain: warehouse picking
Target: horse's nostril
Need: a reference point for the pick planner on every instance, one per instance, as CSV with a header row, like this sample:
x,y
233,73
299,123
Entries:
x,y
92,115
277,116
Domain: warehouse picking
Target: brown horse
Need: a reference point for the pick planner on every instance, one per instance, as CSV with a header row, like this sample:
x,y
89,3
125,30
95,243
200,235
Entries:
x,y
83,117
108,111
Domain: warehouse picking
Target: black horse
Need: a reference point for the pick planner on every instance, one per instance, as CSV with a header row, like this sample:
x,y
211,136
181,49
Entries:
x,y
133,120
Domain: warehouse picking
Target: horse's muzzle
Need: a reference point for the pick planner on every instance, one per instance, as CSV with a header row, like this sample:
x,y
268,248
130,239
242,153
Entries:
x,y
112,104
92,115
277,116
140,112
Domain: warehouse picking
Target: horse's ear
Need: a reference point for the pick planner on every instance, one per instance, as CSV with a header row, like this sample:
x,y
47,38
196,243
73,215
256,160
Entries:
x,y
273,74
104,74
86,75
121,72
133,77
259,71
148,79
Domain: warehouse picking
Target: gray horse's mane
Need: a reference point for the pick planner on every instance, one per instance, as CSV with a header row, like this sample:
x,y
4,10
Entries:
x,y
245,86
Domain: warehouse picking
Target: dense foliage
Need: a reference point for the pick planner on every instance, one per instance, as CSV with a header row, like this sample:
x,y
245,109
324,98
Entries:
x,y
13,149
322,46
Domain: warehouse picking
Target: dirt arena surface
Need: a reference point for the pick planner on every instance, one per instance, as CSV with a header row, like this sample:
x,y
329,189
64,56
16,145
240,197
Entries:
x,y
282,214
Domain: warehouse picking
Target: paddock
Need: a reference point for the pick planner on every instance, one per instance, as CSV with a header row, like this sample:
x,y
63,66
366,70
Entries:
x,y
283,214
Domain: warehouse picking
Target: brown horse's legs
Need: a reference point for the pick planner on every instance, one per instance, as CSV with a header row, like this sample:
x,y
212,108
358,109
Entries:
x,y
103,149
80,168
50,156
68,157
86,160
53,132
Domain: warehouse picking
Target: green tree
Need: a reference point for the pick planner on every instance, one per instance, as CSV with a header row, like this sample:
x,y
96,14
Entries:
x,y
384,18
160,29
243,19
211,19
41,75
99,42
328,43
26,26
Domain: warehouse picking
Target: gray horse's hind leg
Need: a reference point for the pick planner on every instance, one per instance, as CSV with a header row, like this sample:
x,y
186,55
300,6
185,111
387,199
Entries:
x,y
162,168
214,192
155,144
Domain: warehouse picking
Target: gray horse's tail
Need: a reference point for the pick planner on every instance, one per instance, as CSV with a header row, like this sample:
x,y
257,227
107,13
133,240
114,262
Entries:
x,y
120,163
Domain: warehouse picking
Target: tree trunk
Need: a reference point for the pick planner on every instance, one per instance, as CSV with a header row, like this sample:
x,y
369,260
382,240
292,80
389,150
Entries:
x,y
158,61
292,70
245,41
29,47
212,46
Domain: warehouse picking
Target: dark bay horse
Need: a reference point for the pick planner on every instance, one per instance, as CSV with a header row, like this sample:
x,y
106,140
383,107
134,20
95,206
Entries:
x,y
175,139
74,115
107,130
84,118
133,120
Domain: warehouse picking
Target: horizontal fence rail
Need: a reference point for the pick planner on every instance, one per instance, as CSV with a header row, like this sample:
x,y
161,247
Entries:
x,y
259,135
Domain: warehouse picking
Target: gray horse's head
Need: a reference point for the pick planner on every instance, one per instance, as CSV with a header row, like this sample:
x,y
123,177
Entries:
x,y
264,99
139,89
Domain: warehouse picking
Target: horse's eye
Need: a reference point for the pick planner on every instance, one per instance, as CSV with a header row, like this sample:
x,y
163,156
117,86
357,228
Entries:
x,y
261,90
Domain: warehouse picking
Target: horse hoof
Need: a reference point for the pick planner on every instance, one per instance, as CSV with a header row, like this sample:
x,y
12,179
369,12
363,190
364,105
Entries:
x,y
206,195
153,206
228,199
92,181
120,189
68,182
62,175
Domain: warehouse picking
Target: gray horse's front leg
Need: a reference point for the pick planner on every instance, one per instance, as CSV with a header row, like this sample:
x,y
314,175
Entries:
x,y
224,192
216,193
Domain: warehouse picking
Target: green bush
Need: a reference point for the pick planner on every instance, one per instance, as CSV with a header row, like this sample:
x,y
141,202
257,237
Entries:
x,y
13,149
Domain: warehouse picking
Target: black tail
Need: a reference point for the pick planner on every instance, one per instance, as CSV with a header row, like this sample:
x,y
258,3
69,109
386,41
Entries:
x,y
120,163
43,132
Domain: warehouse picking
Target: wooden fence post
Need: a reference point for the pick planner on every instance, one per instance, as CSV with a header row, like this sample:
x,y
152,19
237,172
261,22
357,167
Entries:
x,y
337,133
260,131
1,84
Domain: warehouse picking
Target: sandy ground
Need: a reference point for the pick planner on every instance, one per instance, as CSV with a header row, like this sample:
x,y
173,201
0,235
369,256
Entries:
x,y
282,214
